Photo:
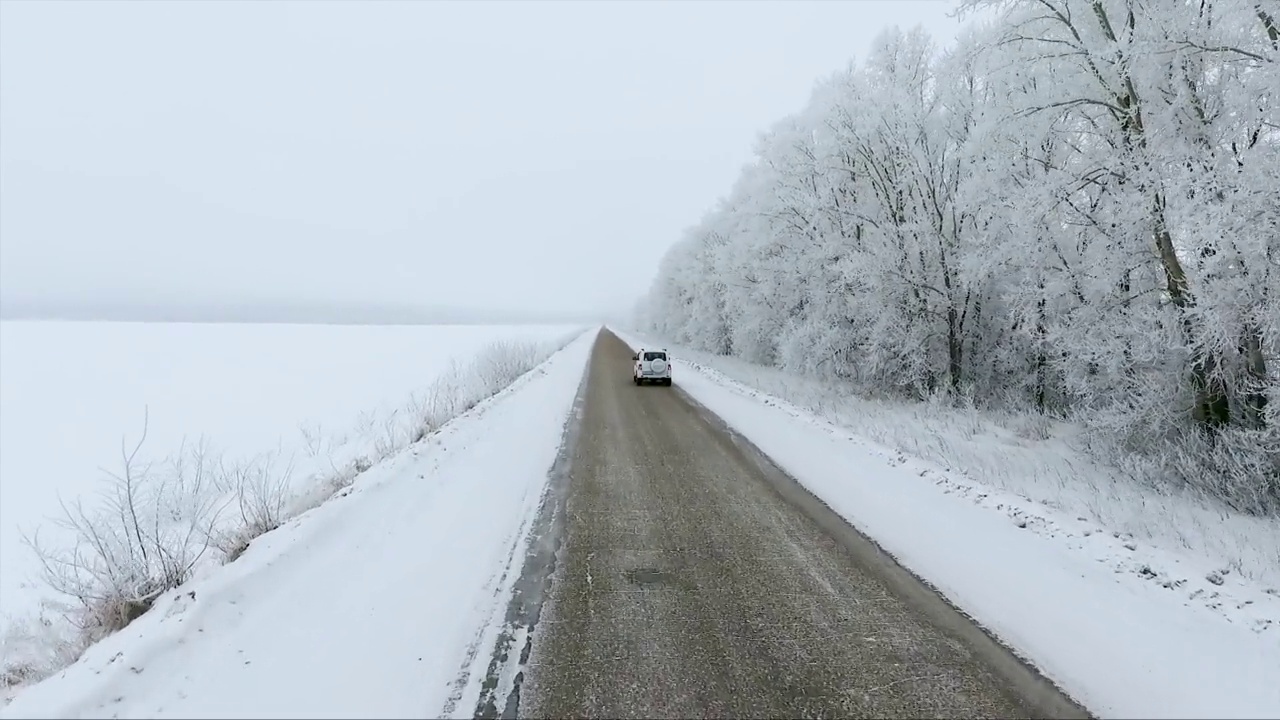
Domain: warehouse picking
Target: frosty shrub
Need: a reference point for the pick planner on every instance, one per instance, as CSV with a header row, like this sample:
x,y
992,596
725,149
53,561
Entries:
x,y
144,536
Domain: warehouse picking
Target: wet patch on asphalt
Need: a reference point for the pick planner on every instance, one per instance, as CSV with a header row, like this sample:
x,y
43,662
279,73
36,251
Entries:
x,y
645,576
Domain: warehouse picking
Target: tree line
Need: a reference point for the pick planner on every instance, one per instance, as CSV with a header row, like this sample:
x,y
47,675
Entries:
x,y
1072,210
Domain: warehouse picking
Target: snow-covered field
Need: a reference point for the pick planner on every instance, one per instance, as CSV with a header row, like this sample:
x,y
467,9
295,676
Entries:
x,y
315,394
380,603
1131,627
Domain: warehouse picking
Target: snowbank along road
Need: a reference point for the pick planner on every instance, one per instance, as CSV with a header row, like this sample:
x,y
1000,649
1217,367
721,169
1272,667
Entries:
x,y
686,576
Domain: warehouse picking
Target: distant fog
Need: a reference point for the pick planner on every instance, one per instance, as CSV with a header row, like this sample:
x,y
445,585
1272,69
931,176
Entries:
x,y
298,312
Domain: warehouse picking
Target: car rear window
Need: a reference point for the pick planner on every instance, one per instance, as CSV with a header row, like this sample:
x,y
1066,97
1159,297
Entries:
x,y
655,356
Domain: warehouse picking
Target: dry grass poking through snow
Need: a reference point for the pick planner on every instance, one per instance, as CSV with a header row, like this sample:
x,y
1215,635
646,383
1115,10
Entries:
x,y
157,522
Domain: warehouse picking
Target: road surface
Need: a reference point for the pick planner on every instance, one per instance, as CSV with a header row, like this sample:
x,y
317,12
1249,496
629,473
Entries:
x,y
686,576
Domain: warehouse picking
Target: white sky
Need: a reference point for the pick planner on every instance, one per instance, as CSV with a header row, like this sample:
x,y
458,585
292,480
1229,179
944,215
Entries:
x,y
526,155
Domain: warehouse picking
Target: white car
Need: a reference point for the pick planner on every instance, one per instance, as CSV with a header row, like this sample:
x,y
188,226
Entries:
x,y
651,366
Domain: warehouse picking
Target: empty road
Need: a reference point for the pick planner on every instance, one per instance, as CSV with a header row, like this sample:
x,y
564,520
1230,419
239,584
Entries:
x,y
685,576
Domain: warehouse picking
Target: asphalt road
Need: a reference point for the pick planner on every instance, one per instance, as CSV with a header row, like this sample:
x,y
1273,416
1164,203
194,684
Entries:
x,y
686,576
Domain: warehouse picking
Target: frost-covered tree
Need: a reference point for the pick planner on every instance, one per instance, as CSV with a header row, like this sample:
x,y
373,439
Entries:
x,y
1074,211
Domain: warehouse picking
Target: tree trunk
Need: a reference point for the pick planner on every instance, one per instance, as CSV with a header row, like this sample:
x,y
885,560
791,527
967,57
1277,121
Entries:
x,y
1041,361
955,348
1255,400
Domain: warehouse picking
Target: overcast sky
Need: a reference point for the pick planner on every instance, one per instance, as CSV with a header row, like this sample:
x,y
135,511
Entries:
x,y
516,155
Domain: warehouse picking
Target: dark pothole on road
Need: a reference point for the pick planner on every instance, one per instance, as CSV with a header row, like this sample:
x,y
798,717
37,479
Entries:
x,y
645,575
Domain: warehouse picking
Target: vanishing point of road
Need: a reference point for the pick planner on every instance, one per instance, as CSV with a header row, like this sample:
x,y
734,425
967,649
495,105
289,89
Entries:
x,y
677,573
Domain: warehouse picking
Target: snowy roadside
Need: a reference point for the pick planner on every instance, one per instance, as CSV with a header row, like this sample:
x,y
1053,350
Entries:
x,y
200,511
375,604
1128,629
